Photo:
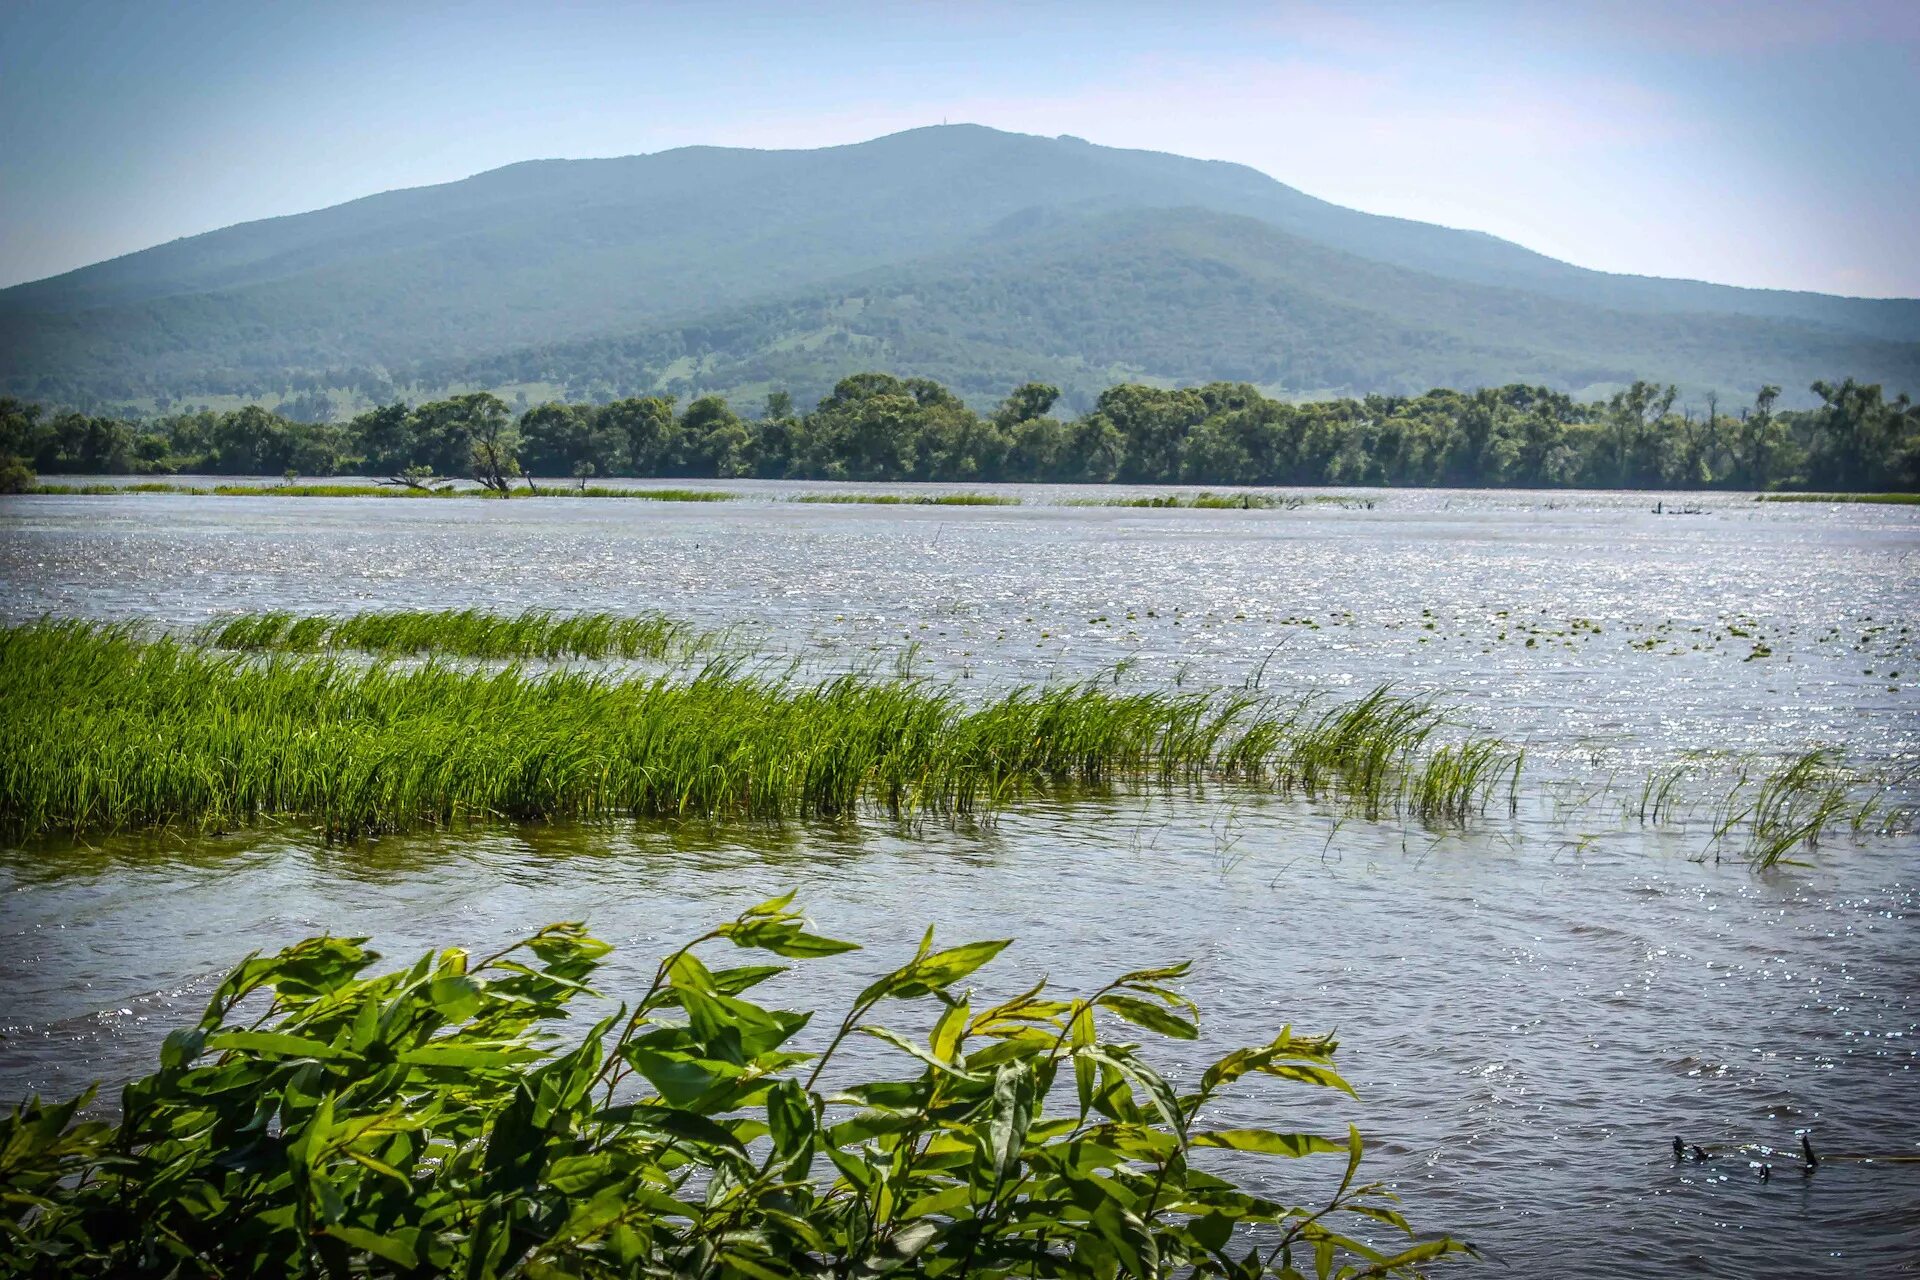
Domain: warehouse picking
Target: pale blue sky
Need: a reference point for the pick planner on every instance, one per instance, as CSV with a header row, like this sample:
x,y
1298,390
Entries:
x,y
1748,143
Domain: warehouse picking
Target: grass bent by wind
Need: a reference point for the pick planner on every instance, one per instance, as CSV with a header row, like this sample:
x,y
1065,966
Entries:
x,y
465,633
104,727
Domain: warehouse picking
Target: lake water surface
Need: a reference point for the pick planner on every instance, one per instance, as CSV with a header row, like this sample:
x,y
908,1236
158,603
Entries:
x,y
1530,1009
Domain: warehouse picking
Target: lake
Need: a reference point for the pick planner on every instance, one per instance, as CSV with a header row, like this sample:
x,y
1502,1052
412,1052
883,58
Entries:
x,y
1530,1008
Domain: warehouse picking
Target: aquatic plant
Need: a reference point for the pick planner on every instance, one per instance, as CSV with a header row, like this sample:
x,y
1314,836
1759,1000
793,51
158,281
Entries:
x,y
1894,499
911,499
104,728
1202,501
467,633
364,490
428,1121
1765,808
625,491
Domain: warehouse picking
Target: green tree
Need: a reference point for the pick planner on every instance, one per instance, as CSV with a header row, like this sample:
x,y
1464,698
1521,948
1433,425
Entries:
x,y
646,424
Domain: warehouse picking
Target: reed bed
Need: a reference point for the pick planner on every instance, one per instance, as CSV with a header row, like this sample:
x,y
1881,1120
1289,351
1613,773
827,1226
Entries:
x,y
910,499
1891,499
103,727
1197,501
650,495
359,489
464,633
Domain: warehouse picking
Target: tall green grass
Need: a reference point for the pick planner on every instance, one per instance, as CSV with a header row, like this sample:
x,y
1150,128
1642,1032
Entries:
x,y
104,728
1894,499
361,489
1201,501
911,499
621,491
466,633
1766,809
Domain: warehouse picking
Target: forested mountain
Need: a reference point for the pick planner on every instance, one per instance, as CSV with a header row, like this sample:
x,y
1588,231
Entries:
x,y
961,253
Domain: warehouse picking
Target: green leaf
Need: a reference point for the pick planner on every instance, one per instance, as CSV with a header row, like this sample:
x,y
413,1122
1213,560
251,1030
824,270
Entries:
x,y
1151,1016
1122,1228
455,997
902,1247
771,907
1162,974
944,968
677,1124
905,1045
397,1248
1008,1116
949,1032
182,1046
1267,1142
790,1121
783,938
469,1057
274,1042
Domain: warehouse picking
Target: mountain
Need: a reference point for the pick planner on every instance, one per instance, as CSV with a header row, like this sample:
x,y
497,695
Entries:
x,y
957,252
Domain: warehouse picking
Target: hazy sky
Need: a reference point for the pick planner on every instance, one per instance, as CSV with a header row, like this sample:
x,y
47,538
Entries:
x,y
1749,143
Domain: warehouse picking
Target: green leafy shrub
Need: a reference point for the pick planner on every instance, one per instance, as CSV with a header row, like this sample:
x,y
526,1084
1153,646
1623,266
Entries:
x,y
15,475
432,1121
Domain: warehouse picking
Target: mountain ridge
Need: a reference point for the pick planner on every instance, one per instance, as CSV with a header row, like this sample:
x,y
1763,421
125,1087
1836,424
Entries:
x,y
544,253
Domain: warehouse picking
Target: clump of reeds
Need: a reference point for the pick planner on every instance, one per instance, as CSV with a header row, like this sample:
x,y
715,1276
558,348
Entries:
x,y
97,488
1796,803
1894,499
101,727
653,495
364,489
1766,808
465,633
911,499
1201,501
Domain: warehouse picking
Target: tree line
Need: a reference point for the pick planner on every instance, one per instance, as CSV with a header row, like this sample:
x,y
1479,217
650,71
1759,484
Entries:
x,y
878,427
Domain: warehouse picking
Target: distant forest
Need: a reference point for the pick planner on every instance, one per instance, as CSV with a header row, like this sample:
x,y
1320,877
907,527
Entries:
x,y
877,427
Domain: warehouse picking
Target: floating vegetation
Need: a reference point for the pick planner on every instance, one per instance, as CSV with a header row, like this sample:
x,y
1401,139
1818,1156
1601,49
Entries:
x,y
911,499
466,633
1892,499
103,728
443,1120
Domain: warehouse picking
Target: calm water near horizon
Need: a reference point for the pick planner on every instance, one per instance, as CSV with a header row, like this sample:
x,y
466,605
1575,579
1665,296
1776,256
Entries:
x,y
1530,1009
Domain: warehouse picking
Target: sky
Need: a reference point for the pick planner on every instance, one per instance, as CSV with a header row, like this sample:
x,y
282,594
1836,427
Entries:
x,y
1754,143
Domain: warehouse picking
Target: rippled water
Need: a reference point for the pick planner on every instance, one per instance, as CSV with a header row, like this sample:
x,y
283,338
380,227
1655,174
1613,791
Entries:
x,y
1530,1011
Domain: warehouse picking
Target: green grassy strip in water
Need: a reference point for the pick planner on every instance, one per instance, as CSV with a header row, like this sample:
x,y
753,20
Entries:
x,y
910,500
465,633
1891,499
1201,501
655,495
103,728
361,490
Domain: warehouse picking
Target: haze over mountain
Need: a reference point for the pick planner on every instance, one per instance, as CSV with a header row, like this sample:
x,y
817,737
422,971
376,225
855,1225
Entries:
x,y
977,257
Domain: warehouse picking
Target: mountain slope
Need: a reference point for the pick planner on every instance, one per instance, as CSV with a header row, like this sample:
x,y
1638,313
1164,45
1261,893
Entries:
x,y
1180,295
552,253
